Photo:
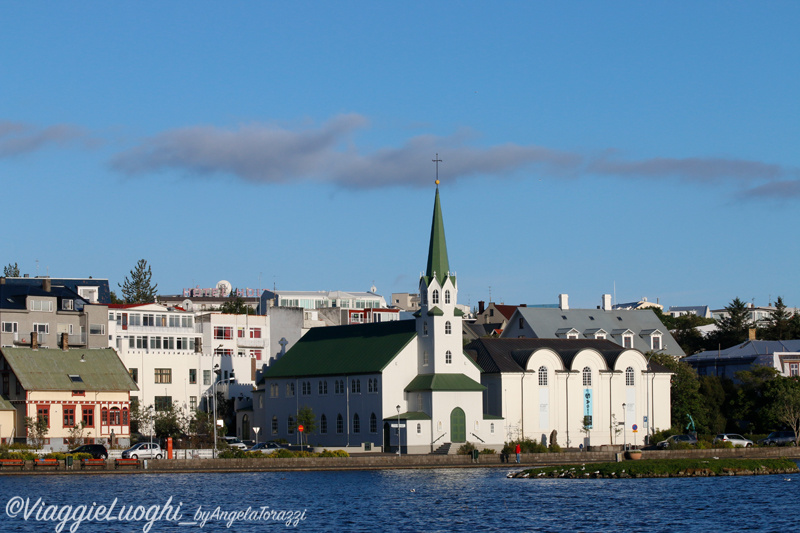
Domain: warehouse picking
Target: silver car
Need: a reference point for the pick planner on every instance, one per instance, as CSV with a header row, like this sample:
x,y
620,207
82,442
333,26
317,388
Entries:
x,y
675,439
733,438
143,450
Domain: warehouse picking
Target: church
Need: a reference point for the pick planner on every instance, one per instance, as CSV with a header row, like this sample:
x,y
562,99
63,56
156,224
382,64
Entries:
x,y
404,385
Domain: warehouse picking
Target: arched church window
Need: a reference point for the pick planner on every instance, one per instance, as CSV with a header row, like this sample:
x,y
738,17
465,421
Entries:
x,y
587,376
448,357
629,377
448,328
543,376
447,297
435,296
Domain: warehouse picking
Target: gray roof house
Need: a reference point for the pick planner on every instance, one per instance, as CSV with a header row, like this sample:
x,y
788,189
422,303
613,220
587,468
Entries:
x,y
783,356
637,329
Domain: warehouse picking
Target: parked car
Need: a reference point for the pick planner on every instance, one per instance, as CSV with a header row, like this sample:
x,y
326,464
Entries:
x,y
733,438
234,442
265,447
779,438
98,451
675,439
143,450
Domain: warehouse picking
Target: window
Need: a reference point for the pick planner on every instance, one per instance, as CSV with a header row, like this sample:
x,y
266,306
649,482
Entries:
x,y
447,297
193,376
193,403
448,328
255,333
274,425
223,352
373,423
79,393
206,377
6,384
256,354
355,386
41,330
543,376
240,333
69,416
627,341
323,424
163,403
290,425
521,322
572,335
425,358
163,375
339,386
75,378
425,329
104,416
97,329
124,416
794,369
40,305
290,390
339,424
10,327
448,357
223,332
323,388
587,376
629,377
274,390
655,342
435,297
88,417
148,320
356,424
306,388
43,413
155,343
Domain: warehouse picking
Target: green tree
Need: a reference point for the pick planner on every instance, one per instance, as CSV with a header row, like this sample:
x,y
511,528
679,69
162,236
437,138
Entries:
x,y
308,419
11,271
37,430
733,328
168,422
750,401
139,289
116,299
782,397
236,305
780,324
684,390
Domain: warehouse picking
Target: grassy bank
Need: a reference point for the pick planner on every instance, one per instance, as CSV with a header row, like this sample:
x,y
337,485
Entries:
x,y
664,468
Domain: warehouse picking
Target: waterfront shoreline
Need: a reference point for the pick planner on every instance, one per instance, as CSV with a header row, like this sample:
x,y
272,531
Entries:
x,y
393,462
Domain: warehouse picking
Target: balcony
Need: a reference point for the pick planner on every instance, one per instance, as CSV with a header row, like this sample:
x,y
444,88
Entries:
x,y
250,343
77,339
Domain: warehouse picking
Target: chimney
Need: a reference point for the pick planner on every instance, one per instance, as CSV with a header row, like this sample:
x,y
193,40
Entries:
x,y
563,302
2,280
481,306
65,341
46,284
751,334
34,340
606,302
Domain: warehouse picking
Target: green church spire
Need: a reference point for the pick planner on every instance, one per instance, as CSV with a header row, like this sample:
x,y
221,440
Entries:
x,y
438,264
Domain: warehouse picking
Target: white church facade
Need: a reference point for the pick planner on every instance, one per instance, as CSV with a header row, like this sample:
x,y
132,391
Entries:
x,y
406,384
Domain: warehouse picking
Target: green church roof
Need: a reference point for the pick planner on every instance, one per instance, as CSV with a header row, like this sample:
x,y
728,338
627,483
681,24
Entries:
x,y
437,249
340,350
73,369
443,382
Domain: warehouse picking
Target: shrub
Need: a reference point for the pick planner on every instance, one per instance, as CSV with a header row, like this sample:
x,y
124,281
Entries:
x,y
334,453
466,449
487,451
527,446
24,455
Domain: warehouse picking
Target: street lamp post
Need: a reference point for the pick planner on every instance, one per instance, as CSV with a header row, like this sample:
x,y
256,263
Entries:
x,y
399,448
624,428
216,371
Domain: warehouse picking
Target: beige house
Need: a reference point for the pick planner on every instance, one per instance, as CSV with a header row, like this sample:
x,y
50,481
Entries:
x,y
65,388
8,417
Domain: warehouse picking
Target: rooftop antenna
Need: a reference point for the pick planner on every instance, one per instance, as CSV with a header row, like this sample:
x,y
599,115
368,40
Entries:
x,y
490,294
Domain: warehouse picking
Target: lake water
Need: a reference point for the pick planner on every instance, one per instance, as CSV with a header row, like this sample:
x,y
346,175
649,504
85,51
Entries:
x,y
405,500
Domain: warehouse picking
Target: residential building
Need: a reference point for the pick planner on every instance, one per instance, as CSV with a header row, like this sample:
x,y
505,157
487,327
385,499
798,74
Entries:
x,y
322,299
95,291
635,329
703,311
641,304
405,383
581,389
65,388
759,316
783,356
54,313
405,301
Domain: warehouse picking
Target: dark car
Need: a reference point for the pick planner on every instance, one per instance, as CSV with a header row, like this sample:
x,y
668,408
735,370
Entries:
x,y
779,438
675,439
98,451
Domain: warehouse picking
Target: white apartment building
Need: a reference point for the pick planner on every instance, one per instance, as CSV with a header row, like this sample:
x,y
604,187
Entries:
x,y
170,353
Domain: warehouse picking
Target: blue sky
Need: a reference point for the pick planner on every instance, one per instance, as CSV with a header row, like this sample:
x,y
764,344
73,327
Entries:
x,y
650,148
